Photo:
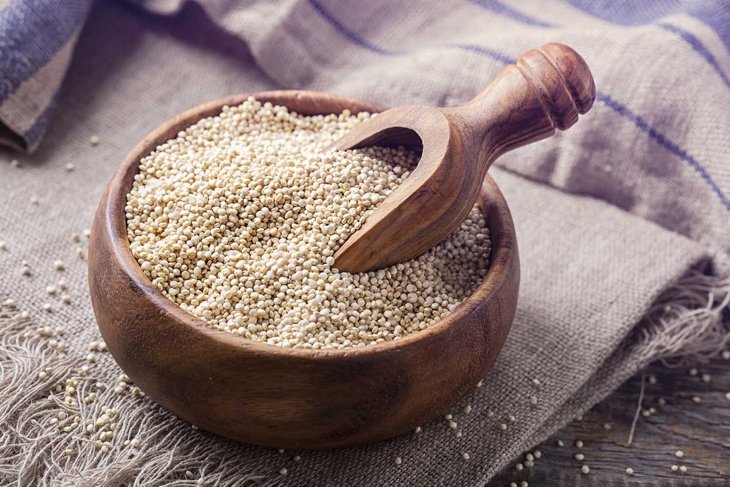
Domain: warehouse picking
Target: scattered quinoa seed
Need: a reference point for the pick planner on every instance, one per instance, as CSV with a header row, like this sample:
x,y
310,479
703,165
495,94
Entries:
x,y
629,471
58,265
94,140
560,443
580,457
398,460
683,469
465,456
283,471
679,454
674,468
585,470
70,166
696,399
578,444
726,354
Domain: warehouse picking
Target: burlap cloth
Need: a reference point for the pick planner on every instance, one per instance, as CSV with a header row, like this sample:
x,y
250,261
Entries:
x,y
622,223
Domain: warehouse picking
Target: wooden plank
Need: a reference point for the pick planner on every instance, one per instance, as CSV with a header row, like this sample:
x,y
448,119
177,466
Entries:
x,y
700,430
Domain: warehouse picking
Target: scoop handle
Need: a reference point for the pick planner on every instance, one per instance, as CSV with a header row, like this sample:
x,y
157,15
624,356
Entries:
x,y
546,89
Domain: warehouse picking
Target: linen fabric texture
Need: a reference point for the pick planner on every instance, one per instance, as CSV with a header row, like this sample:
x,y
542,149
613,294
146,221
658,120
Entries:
x,y
623,222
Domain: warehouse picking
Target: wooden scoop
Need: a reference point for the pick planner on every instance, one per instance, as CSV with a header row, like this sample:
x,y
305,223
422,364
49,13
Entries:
x,y
547,88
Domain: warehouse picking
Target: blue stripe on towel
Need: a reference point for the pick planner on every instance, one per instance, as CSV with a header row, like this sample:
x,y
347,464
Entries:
x,y
699,48
618,108
346,32
484,51
31,32
662,140
500,8
714,13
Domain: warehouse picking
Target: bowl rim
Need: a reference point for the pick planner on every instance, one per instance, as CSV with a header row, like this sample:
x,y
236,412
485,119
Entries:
x,y
502,252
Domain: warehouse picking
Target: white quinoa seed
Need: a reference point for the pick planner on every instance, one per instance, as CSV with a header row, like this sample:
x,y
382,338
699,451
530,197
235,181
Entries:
x,y
629,471
726,354
683,469
465,456
94,140
679,454
235,220
585,470
578,444
580,457
398,460
674,468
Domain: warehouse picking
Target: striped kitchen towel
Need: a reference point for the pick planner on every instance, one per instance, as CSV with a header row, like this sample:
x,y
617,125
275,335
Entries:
x,y
37,39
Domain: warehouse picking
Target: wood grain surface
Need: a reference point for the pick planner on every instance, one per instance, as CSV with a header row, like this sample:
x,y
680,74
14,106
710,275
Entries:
x,y
286,397
526,102
701,431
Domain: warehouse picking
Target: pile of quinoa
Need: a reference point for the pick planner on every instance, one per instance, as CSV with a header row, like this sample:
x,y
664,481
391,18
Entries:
x,y
238,218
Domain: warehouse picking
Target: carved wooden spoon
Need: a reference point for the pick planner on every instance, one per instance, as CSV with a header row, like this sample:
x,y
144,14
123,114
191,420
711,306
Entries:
x,y
547,88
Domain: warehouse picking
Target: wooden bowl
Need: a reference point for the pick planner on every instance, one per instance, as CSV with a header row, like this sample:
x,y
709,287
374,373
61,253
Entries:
x,y
283,397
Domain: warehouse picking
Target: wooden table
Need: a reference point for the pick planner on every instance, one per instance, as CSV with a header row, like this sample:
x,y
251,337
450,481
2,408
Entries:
x,y
699,429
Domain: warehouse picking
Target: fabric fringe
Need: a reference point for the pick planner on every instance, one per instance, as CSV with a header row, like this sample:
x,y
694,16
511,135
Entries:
x,y
690,322
35,452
